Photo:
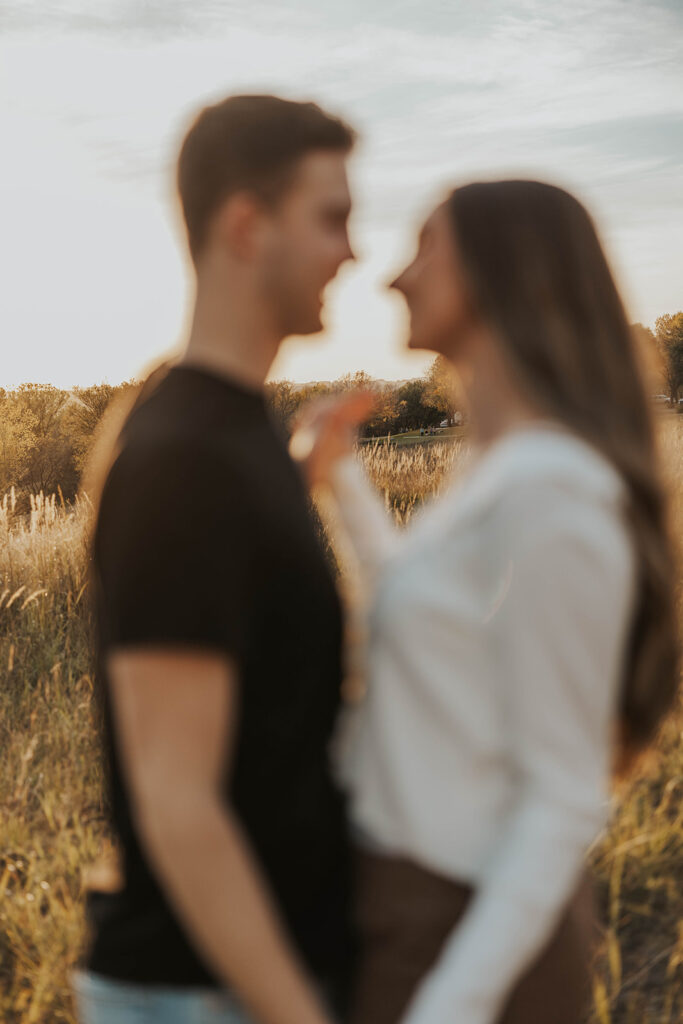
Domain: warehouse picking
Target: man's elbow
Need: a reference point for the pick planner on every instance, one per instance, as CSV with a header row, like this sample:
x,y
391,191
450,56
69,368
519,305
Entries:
x,y
172,816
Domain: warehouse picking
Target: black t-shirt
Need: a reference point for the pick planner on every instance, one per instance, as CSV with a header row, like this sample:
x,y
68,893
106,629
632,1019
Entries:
x,y
205,538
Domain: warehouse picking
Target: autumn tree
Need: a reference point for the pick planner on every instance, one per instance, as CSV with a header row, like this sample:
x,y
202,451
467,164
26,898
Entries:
x,y
353,381
17,440
46,435
412,409
84,413
50,466
440,389
669,338
384,415
285,399
311,392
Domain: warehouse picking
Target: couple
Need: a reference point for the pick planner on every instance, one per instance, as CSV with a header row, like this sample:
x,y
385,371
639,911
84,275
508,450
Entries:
x,y
521,633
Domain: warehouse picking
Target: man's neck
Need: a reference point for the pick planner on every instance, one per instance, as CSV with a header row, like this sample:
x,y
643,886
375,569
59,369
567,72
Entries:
x,y
227,359
232,337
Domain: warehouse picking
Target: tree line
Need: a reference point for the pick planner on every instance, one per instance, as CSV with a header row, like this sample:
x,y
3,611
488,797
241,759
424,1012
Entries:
x,y
46,433
399,406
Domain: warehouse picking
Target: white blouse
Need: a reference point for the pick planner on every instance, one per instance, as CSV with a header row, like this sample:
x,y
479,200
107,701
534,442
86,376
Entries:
x,y
496,630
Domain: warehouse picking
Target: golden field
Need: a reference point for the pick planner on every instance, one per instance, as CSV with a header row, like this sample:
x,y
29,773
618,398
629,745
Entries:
x,y
52,822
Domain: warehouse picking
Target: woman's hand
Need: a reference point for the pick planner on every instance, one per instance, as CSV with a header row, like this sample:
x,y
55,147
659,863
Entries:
x,y
327,431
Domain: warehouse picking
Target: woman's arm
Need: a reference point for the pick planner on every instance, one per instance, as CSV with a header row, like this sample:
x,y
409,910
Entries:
x,y
361,515
555,639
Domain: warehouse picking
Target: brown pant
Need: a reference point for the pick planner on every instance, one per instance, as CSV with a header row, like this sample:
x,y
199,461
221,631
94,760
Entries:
x,y
404,915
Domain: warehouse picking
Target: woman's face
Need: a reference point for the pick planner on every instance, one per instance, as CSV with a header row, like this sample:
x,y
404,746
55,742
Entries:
x,y
434,289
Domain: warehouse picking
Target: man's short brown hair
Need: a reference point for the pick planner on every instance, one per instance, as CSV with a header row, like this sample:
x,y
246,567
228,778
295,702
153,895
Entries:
x,y
252,143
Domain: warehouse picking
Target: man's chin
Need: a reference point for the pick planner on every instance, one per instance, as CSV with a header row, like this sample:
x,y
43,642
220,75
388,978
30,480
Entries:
x,y
306,328
422,343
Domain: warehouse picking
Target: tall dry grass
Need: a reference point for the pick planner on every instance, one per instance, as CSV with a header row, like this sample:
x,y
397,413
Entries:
x,y
52,824
408,475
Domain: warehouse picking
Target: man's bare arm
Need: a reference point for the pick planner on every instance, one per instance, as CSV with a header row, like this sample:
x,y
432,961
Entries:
x,y
175,713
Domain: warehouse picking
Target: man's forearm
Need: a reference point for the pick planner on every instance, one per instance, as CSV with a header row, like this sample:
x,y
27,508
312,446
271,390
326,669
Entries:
x,y
211,877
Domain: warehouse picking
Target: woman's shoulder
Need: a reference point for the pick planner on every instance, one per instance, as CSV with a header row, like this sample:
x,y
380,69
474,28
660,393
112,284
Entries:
x,y
539,485
554,456
550,491
544,461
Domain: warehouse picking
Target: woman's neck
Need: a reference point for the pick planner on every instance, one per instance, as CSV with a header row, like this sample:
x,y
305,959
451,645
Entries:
x,y
495,403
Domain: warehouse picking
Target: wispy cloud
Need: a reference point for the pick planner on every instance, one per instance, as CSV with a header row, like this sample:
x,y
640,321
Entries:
x,y
96,93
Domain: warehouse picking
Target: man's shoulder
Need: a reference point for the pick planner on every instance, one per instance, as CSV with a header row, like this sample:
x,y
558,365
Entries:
x,y
169,459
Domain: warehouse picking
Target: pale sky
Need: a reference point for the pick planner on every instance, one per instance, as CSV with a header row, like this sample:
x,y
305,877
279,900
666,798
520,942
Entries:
x,y
96,94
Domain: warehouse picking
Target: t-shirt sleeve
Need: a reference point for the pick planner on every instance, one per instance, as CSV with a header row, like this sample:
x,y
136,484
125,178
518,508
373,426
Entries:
x,y
175,550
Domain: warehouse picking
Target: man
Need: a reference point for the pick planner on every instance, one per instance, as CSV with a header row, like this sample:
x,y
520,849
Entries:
x,y
218,621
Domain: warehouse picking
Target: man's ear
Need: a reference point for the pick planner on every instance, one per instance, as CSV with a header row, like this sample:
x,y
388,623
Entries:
x,y
238,225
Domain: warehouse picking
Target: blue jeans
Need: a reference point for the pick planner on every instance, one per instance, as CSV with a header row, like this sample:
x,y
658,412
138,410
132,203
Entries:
x,y
101,1000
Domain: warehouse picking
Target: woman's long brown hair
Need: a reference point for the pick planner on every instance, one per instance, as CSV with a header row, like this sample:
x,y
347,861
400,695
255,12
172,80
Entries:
x,y
540,278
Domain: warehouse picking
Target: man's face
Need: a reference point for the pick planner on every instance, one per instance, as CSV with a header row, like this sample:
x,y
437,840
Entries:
x,y
307,242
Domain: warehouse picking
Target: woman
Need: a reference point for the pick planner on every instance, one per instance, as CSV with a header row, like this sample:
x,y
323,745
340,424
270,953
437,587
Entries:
x,y
521,633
